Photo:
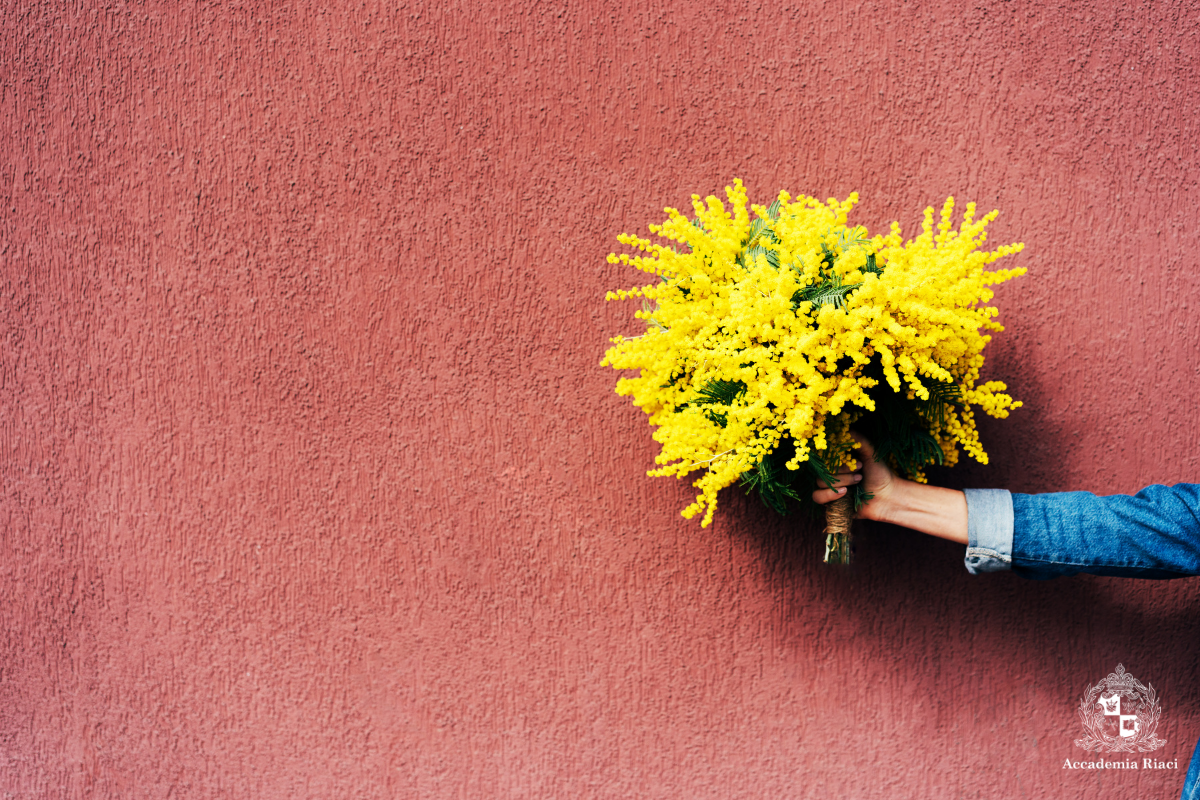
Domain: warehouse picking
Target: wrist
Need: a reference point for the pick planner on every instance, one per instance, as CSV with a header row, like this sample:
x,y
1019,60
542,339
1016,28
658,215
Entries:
x,y
934,510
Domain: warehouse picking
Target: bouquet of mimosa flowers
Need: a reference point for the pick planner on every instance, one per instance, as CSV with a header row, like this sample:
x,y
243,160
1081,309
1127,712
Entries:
x,y
772,331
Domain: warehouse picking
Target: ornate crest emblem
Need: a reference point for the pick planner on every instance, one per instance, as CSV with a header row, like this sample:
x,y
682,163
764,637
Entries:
x,y
1120,715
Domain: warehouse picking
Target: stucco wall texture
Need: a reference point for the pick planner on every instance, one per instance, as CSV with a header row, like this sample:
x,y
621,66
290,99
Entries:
x,y
313,486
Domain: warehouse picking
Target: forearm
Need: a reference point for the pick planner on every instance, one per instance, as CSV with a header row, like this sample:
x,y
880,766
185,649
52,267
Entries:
x,y
1153,534
934,510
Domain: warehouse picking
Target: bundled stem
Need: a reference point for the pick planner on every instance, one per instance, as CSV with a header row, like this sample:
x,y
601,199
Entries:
x,y
838,516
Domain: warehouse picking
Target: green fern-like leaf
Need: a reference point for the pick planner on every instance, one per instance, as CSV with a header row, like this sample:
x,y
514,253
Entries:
x,y
756,229
909,450
772,485
830,292
860,496
852,237
943,396
748,257
718,392
721,392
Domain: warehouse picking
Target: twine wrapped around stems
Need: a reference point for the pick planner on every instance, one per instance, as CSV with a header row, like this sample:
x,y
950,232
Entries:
x,y
838,516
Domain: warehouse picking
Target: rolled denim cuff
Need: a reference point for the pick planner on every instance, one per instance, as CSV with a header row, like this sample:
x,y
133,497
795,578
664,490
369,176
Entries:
x,y
989,530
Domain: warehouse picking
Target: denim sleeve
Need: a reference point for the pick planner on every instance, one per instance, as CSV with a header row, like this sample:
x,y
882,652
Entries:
x,y
1153,534
989,530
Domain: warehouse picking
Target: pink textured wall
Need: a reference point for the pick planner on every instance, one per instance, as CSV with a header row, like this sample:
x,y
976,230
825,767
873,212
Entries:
x,y
312,486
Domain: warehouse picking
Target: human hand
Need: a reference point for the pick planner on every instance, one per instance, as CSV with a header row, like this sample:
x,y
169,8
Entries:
x,y
876,477
930,509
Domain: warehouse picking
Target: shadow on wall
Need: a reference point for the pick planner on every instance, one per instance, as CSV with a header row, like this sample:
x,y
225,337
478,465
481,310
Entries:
x,y
908,601
992,657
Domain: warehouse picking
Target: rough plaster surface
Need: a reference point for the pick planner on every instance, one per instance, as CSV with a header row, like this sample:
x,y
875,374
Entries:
x,y
312,486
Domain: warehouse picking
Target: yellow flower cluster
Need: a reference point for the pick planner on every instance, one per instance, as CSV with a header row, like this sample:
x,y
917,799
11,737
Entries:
x,y
791,304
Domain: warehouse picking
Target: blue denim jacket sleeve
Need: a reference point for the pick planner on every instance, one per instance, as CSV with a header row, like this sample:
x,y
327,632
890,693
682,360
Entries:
x,y
1153,534
989,530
